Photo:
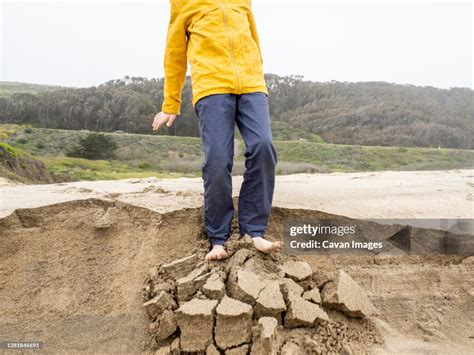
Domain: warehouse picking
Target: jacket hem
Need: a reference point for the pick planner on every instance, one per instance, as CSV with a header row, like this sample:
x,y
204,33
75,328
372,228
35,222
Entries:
x,y
245,90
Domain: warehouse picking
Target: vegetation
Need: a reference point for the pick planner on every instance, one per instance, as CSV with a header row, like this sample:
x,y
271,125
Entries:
x,y
140,155
94,146
7,131
282,131
344,158
83,169
18,165
6,148
363,113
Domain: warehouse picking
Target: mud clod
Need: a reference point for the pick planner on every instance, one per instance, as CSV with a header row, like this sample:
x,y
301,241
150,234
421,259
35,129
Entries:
x,y
270,301
212,350
158,304
245,286
233,324
238,259
288,286
214,288
167,325
297,270
312,295
240,350
347,296
188,285
196,323
266,338
302,313
181,267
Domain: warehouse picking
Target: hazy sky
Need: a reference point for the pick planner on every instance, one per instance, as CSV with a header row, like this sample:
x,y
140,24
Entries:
x,y
87,43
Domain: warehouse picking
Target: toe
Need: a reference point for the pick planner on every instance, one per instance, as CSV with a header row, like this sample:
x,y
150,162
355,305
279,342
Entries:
x,y
275,246
210,256
216,255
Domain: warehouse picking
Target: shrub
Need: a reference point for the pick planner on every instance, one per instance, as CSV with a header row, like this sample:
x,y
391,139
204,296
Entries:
x,y
144,166
7,148
94,146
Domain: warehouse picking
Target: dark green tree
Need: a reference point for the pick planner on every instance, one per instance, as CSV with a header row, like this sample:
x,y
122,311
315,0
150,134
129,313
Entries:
x,y
94,146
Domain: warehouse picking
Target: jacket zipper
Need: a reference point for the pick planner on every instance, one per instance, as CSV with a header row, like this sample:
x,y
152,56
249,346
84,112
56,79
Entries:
x,y
231,48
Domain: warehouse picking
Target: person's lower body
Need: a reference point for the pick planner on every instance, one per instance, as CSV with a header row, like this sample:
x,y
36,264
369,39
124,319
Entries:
x,y
218,114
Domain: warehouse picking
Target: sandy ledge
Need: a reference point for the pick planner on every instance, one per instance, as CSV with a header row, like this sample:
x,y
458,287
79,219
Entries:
x,y
387,194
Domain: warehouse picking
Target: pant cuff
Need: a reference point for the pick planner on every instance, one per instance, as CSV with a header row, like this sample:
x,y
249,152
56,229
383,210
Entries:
x,y
253,234
216,241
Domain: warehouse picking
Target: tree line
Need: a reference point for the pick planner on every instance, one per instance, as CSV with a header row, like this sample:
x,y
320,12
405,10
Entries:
x,y
365,113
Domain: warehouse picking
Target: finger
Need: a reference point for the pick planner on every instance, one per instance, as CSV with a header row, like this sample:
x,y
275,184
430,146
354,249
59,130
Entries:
x,y
161,122
155,119
157,123
170,121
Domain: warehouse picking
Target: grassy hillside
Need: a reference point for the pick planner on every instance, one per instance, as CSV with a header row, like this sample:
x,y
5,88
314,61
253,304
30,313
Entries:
x,y
17,165
167,156
282,131
352,158
13,87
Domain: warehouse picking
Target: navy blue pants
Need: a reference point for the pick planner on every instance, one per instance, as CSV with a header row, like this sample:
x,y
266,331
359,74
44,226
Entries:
x,y
218,114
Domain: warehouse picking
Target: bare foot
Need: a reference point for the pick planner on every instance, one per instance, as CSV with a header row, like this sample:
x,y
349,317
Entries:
x,y
265,246
217,253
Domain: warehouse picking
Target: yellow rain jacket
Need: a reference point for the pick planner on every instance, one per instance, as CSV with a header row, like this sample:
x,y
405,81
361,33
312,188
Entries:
x,y
219,39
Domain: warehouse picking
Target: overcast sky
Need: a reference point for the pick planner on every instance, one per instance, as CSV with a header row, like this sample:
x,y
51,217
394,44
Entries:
x,y
87,43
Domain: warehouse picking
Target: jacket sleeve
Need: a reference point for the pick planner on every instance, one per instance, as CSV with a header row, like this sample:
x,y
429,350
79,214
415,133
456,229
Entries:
x,y
175,61
253,29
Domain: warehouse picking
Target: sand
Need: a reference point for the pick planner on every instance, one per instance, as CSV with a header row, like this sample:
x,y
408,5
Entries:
x,y
387,194
72,278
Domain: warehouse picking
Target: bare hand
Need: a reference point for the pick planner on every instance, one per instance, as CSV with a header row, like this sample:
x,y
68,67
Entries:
x,y
162,118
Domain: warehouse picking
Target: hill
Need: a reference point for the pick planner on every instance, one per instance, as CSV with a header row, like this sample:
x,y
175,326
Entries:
x,y
14,87
362,113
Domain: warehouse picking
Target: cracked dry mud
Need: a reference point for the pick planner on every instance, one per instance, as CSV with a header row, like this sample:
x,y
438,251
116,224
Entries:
x,y
254,303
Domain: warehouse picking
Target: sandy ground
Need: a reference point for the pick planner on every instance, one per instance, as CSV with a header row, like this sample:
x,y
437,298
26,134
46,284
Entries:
x,y
76,287
388,194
